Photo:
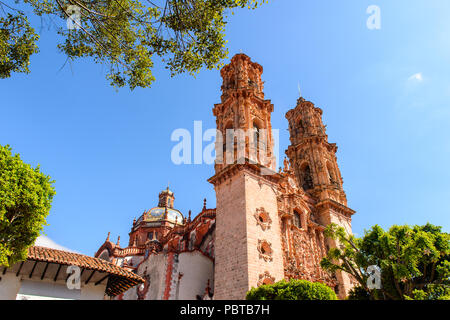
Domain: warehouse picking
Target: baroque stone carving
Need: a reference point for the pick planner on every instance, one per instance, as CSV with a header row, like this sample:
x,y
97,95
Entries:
x,y
265,250
265,278
263,219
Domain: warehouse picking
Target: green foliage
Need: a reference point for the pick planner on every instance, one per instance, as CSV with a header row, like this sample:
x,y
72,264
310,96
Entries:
x,y
25,200
414,261
17,44
358,293
292,290
432,292
125,35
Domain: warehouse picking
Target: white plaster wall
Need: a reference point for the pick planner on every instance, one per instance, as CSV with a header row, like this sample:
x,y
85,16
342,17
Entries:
x,y
136,260
93,292
197,270
130,294
12,288
9,286
156,269
39,290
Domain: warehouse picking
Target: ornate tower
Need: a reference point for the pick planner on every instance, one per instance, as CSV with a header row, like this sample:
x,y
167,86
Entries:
x,y
243,116
247,245
311,155
166,198
314,162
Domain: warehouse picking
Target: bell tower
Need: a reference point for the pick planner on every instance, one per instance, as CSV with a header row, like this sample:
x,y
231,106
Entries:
x,y
243,116
314,162
248,248
312,157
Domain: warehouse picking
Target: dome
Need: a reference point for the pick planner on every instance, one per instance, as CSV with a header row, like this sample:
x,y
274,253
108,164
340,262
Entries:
x,y
157,214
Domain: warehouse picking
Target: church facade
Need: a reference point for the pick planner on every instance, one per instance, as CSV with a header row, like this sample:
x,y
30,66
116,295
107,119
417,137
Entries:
x,y
267,224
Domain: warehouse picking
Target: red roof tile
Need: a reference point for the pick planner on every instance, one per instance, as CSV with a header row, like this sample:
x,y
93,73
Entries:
x,y
119,281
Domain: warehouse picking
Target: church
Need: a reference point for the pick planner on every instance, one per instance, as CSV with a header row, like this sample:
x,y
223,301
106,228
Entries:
x,y
267,225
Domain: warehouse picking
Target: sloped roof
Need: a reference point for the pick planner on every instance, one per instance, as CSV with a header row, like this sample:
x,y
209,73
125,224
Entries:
x,y
119,279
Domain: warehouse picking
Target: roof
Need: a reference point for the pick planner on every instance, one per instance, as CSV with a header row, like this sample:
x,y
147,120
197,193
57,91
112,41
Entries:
x,y
157,214
119,279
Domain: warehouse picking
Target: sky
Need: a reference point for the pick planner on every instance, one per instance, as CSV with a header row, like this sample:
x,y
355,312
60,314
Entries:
x,y
384,92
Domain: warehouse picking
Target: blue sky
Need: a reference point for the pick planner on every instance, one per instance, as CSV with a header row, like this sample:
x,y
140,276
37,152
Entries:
x,y
385,96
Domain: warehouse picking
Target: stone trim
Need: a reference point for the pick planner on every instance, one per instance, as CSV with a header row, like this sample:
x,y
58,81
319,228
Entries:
x,y
265,250
265,278
263,219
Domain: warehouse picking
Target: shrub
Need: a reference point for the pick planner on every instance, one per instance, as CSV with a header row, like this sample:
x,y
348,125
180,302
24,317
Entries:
x,y
292,290
358,293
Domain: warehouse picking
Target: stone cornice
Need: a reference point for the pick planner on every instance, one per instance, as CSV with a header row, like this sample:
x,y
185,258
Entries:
x,y
336,206
315,139
256,169
247,93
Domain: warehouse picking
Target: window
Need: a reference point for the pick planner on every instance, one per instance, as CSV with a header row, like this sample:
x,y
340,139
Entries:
x,y
228,144
152,235
255,136
331,175
307,182
297,220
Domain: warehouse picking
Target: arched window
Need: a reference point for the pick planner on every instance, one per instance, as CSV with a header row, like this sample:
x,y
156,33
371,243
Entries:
x,y
331,174
307,182
256,135
297,220
228,137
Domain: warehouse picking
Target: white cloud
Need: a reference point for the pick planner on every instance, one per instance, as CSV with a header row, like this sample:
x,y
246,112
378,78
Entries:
x,y
416,77
44,241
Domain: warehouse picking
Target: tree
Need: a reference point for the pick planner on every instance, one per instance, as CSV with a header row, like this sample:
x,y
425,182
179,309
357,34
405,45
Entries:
x,y
292,290
125,35
25,200
413,261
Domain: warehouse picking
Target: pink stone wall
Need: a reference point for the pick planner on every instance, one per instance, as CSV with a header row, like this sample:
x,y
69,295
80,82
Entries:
x,y
238,265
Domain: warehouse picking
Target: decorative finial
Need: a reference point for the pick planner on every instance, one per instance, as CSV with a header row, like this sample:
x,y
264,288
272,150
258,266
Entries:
x,y
299,90
240,51
118,241
204,204
189,219
134,221
107,238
